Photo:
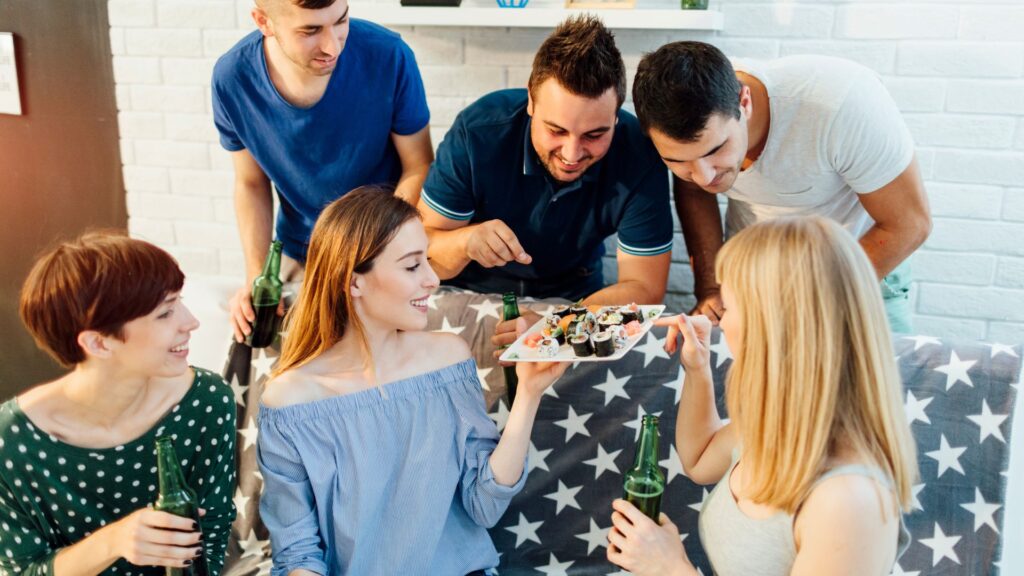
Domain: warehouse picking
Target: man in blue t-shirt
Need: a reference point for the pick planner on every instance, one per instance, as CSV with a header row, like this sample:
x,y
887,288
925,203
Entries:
x,y
528,184
314,104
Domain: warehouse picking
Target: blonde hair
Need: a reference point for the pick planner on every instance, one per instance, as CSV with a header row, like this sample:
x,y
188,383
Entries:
x,y
347,237
816,365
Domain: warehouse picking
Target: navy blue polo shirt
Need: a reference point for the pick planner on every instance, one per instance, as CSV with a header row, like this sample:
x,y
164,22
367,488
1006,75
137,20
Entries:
x,y
486,168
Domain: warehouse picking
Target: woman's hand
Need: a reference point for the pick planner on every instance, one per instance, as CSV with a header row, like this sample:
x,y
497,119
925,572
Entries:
x,y
536,377
640,546
148,537
696,333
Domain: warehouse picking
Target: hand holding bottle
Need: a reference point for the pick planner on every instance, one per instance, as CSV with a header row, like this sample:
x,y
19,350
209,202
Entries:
x,y
149,537
643,547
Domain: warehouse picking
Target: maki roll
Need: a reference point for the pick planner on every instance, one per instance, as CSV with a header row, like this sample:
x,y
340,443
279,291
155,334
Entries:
x,y
562,310
548,348
619,335
578,309
581,345
630,313
610,319
558,334
603,344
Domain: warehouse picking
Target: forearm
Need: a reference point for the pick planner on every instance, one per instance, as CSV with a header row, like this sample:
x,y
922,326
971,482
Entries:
x,y
303,572
697,420
702,231
88,556
447,251
410,184
887,248
624,293
254,211
508,457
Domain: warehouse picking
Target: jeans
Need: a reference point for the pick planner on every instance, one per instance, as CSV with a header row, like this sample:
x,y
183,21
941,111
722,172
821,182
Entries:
x,y
896,296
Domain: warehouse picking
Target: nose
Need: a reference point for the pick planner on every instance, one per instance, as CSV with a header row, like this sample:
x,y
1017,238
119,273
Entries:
x,y
190,322
572,150
430,280
330,44
703,172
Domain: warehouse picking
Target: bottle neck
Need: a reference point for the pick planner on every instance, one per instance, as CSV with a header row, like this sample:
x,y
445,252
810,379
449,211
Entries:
x,y
647,449
272,265
510,308
172,479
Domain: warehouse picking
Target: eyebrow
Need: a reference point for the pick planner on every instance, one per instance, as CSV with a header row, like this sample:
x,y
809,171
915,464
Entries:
x,y
705,155
317,27
406,255
600,130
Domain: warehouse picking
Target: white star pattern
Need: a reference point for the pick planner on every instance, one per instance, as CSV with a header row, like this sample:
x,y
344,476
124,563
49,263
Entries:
x,y
481,374
613,387
501,416
240,501
920,341
261,364
636,424
564,496
603,461
1003,349
432,301
555,568
446,327
673,465
698,506
676,384
984,512
652,348
252,546
989,423
487,308
536,458
956,370
238,390
596,537
525,530
897,571
250,434
947,456
574,424
721,350
915,408
941,545
915,503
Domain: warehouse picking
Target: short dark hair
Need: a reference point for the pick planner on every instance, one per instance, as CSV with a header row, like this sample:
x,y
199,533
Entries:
x,y
99,282
581,55
679,86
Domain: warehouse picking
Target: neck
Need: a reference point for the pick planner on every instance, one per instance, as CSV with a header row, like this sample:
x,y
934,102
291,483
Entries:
x,y
290,79
102,396
760,118
350,352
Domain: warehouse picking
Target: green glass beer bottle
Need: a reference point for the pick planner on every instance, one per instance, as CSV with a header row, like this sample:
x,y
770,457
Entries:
x,y
177,498
510,311
266,296
645,482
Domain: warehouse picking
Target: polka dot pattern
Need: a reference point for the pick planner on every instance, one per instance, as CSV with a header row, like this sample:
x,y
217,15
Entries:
x,y
53,494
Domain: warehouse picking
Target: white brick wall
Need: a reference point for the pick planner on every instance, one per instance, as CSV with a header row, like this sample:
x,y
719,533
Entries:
x,y
956,70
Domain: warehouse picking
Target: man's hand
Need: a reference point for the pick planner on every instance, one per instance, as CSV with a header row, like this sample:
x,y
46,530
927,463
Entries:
x,y
505,333
642,547
493,243
710,306
241,313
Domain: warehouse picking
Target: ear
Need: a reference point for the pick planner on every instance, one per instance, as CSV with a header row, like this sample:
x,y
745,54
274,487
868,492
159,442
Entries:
x,y
529,103
263,22
94,344
357,286
746,101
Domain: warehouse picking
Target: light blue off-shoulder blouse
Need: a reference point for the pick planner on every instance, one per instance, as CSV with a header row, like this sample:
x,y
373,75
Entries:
x,y
389,481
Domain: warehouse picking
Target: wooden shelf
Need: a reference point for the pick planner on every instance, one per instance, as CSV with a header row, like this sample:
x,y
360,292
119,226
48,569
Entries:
x,y
640,18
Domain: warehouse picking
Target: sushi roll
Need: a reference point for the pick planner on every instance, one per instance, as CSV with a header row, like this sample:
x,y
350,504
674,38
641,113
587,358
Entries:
x,y
558,335
630,313
577,310
581,345
603,344
548,348
609,319
562,310
619,335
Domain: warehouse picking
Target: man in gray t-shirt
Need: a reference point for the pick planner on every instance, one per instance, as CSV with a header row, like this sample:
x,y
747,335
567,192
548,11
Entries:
x,y
800,135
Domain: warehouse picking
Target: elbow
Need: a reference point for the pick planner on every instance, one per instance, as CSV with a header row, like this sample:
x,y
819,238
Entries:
x,y
923,228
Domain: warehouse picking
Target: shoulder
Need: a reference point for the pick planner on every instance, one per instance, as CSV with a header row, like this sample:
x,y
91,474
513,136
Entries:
x,y
239,60
501,107
632,155
287,388
210,395
856,502
376,42
435,350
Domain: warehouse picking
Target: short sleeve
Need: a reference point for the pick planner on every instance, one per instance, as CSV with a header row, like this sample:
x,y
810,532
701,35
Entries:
x,y
868,142
646,225
448,189
483,498
411,113
214,473
286,505
23,549
229,139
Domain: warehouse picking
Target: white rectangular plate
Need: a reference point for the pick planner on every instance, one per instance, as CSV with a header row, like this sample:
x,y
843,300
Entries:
x,y
519,352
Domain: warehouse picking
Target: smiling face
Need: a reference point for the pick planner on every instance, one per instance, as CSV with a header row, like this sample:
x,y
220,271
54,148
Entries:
x,y
156,345
570,133
714,160
311,39
393,294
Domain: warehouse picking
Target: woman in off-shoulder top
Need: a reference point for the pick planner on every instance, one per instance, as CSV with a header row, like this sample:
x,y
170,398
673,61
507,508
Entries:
x,y
377,453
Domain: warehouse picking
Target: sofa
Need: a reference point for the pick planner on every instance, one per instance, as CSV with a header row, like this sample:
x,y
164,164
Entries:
x,y
960,397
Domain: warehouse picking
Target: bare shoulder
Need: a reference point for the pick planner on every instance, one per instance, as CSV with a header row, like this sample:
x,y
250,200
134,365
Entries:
x,y
290,387
860,504
437,349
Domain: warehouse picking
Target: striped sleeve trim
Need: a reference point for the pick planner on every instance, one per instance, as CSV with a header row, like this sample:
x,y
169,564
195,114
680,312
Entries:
x,y
444,211
654,251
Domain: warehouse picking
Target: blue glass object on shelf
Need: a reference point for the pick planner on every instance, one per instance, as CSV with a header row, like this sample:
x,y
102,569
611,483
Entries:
x,y
512,3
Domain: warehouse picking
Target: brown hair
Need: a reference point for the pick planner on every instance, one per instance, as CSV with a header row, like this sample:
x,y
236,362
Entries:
x,y
99,281
348,236
581,55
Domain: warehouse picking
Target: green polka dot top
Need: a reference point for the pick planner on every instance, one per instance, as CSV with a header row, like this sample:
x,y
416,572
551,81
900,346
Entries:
x,y
53,494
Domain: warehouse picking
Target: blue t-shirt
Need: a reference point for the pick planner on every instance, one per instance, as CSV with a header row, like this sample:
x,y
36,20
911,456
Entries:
x,y
486,169
315,155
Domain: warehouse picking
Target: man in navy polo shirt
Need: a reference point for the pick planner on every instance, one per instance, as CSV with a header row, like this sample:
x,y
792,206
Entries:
x,y
314,104
528,184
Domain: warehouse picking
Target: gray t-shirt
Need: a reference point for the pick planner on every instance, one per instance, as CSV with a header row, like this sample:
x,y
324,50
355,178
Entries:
x,y
835,133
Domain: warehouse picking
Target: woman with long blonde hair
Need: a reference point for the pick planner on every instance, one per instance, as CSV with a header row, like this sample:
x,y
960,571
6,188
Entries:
x,y
377,454
816,465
